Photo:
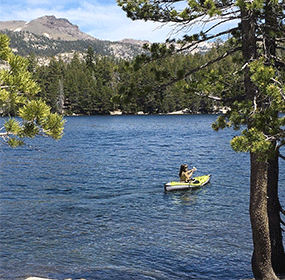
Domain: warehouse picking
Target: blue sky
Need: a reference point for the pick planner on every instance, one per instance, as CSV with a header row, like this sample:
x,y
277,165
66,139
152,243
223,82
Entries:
x,y
102,19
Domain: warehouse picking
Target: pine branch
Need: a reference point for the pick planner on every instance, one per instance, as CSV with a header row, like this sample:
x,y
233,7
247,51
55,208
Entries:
x,y
212,97
208,38
281,221
282,210
282,157
199,68
5,134
220,23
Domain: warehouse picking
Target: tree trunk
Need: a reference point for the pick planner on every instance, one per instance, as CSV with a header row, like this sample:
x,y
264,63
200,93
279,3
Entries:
x,y
261,259
277,248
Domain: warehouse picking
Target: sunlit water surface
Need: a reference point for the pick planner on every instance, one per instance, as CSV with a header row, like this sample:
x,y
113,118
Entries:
x,y
92,205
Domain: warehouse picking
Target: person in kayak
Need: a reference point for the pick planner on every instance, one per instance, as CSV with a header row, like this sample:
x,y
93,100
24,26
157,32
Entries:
x,y
185,174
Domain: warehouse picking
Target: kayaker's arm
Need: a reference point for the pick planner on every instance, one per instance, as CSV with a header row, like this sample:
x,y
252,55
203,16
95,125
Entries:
x,y
191,171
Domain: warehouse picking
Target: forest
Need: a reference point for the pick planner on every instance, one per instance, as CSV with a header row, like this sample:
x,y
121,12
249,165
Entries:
x,y
101,84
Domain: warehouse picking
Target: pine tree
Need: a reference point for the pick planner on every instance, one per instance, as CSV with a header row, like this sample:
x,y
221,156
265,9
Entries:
x,y
255,95
17,97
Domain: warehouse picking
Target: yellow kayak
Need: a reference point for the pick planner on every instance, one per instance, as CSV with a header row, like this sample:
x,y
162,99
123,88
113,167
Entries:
x,y
195,183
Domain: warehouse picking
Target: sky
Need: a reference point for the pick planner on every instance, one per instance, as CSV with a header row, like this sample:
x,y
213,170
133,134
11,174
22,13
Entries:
x,y
102,19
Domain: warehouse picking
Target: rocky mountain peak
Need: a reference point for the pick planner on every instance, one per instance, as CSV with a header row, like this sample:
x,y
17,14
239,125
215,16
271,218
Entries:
x,y
55,23
49,26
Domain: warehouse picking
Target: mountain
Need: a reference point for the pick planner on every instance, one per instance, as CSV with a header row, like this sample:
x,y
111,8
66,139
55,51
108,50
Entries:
x,y
50,36
49,26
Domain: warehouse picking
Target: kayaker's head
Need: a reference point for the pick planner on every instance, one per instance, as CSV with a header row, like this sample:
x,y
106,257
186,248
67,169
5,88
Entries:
x,y
183,168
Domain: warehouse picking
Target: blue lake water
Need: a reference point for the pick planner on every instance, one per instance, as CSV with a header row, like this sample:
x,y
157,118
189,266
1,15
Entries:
x,y
92,205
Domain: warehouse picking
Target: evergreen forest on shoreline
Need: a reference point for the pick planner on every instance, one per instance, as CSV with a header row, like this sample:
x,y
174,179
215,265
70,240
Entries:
x,y
100,85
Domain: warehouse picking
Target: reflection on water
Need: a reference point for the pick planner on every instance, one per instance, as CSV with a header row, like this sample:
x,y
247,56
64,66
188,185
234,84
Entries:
x,y
187,197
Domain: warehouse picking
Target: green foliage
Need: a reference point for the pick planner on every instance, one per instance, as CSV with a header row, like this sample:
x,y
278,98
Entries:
x,y
12,126
35,111
14,143
17,82
5,51
220,123
253,5
4,96
53,126
89,59
260,115
30,130
253,140
36,120
261,74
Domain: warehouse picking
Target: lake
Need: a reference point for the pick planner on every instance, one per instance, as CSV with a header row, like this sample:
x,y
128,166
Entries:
x,y
93,206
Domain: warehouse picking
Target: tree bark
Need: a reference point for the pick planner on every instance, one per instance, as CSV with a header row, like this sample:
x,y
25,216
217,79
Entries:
x,y
261,259
277,248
